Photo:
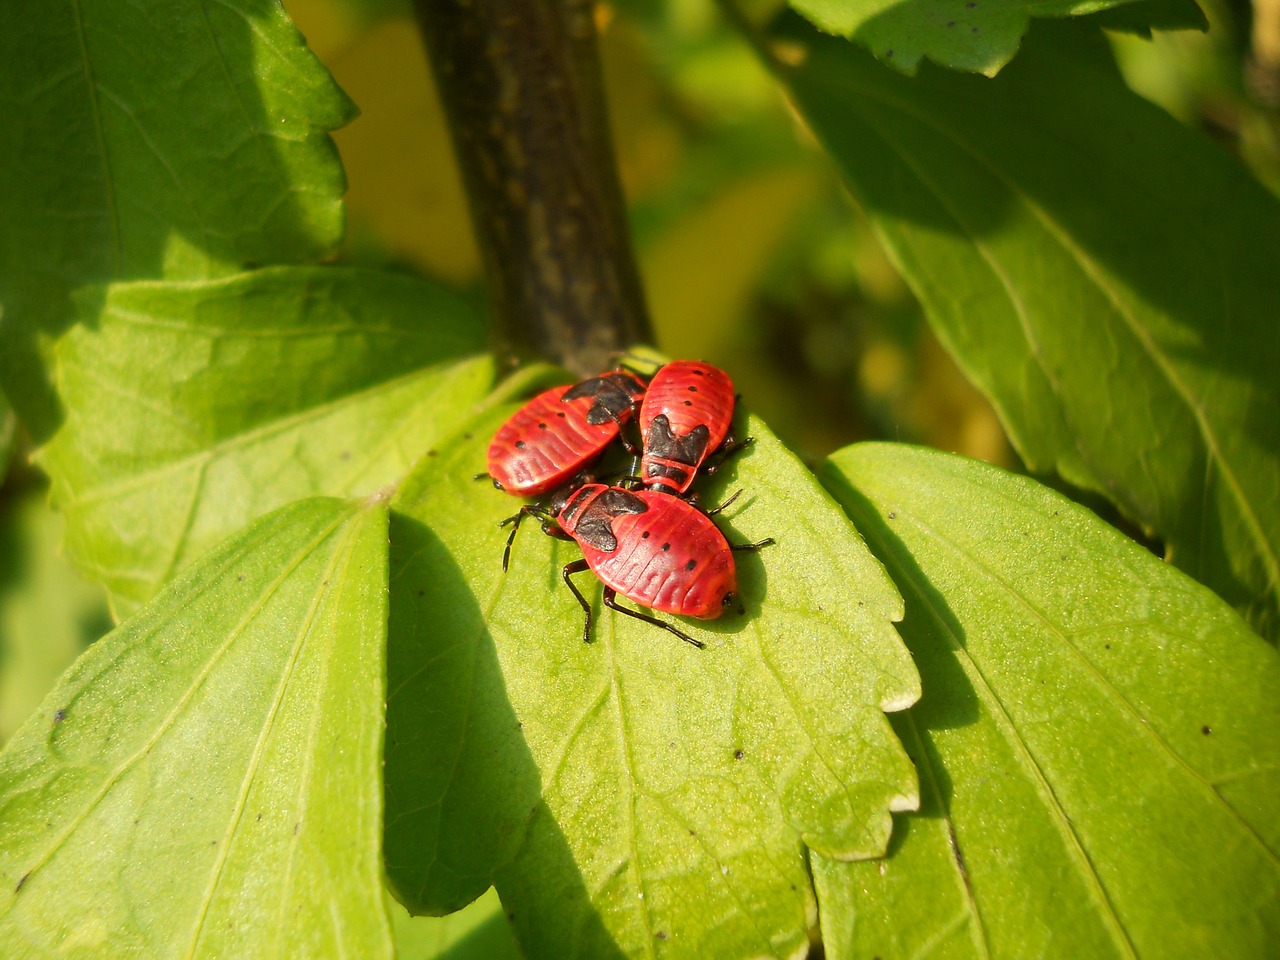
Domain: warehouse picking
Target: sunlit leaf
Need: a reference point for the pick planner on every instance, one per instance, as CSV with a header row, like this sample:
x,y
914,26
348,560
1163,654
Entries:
x,y
205,781
976,35
1103,274
152,138
636,794
478,931
194,407
1099,765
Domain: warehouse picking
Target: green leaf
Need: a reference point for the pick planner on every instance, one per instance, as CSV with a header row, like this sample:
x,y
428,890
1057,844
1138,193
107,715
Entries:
x,y
1097,748
194,407
975,35
636,794
8,432
478,931
48,613
1104,275
205,781
152,138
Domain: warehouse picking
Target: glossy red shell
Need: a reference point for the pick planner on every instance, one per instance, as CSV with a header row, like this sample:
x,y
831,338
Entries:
x,y
690,394
672,557
546,443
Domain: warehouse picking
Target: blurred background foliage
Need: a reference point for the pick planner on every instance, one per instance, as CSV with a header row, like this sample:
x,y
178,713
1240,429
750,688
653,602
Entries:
x,y
751,252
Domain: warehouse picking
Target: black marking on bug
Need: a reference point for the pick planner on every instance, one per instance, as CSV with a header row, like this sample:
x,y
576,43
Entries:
x,y
595,526
614,394
519,444
691,564
662,442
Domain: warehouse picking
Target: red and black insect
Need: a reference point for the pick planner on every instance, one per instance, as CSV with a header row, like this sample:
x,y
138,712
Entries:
x,y
653,548
687,415
558,433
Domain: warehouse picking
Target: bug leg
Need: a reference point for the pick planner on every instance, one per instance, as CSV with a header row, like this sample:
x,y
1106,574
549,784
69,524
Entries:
x,y
713,512
578,566
727,449
611,601
549,527
766,542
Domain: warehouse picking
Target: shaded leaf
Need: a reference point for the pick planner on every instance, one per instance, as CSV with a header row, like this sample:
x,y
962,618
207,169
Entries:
x,y
205,780
636,795
152,138
194,407
1096,741
1103,274
975,35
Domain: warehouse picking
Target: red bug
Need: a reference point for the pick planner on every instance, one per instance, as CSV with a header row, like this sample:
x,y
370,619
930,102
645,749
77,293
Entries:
x,y
561,431
653,548
687,414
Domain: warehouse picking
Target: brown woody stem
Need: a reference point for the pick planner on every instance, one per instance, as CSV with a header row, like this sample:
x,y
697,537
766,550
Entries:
x,y
521,85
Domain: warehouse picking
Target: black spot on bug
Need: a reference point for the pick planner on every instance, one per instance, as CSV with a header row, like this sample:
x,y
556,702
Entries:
x,y
688,403
519,444
691,564
542,426
738,754
692,389
698,373
666,547
645,535
561,414
1206,730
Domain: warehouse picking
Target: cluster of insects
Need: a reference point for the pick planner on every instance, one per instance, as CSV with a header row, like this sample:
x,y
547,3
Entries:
x,y
646,537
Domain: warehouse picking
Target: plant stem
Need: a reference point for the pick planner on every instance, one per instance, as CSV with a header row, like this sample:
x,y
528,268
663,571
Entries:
x,y
521,85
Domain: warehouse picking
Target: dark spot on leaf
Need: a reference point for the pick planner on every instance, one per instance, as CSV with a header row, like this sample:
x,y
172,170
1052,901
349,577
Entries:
x,y
893,515
951,23
738,754
259,818
1108,646
345,455
691,564
661,934
519,444
422,591
973,30
59,716
213,843
1205,730
888,53
296,826
693,833
18,888
511,915
431,453
466,436
240,578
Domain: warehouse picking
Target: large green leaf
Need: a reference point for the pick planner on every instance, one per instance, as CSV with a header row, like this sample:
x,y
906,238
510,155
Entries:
x,y
194,407
636,796
152,138
1099,765
1107,277
48,613
976,35
206,780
